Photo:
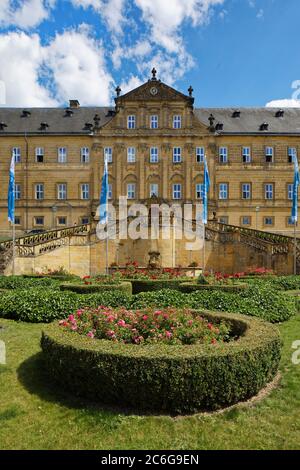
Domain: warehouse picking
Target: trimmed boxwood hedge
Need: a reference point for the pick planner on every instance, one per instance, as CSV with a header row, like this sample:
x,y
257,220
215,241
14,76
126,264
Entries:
x,y
188,287
57,277
22,282
91,288
146,285
45,305
177,379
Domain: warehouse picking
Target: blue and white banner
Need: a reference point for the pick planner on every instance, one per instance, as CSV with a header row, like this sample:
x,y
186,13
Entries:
x,y
11,192
103,215
206,186
295,191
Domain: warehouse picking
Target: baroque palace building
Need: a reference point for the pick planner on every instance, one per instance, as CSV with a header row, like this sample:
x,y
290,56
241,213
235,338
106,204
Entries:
x,y
155,140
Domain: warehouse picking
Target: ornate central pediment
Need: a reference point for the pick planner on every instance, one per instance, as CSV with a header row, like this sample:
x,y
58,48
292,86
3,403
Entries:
x,y
154,90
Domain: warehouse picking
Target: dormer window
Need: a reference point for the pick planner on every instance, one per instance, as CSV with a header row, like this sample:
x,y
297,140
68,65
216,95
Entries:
x,y
69,112
177,121
131,121
44,126
25,113
264,126
219,126
236,113
2,126
279,113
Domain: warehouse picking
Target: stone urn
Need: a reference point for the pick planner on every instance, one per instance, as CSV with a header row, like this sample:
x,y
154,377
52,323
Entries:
x,y
154,260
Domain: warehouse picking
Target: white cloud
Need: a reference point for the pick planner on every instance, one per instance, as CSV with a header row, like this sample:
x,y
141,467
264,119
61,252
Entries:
x,y
24,14
21,57
112,11
260,14
73,61
165,20
285,103
77,64
130,84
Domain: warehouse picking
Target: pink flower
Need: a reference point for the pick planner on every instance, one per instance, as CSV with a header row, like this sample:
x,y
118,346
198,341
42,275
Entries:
x,y
74,328
213,341
91,334
209,326
71,318
110,318
145,317
79,313
190,322
111,334
168,334
121,323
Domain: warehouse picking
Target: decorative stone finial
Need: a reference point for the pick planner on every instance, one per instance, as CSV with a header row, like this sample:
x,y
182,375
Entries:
x,y
118,91
154,72
211,121
190,90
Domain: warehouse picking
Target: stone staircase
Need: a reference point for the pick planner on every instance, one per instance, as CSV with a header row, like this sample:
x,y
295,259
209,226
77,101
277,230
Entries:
x,y
32,246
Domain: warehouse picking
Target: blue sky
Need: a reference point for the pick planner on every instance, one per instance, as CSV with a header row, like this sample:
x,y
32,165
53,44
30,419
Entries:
x,y
233,52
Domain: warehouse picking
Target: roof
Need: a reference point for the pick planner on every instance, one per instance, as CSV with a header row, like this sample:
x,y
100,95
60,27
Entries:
x,y
57,119
248,122
251,119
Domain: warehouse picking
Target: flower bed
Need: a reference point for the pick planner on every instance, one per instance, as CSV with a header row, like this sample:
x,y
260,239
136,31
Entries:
x,y
169,325
176,378
91,287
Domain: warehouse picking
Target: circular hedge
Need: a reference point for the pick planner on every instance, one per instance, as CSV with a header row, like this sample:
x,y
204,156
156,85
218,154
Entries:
x,y
93,288
188,287
177,379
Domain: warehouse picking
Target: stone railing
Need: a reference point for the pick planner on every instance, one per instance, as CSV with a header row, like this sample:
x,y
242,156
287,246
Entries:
x,y
26,244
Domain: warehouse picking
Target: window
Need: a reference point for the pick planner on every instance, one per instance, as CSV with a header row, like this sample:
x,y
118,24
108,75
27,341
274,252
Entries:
x,y
131,122
109,191
290,190
200,153
17,220
268,220
108,154
62,155
177,191
84,155
154,121
269,190
246,191
131,154
153,189
290,221
177,121
62,191
61,220
85,191
39,220
16,153
246,220
17,191
85,220
39,191
269,154
39,154
246,154
223,219
223,191
223,155
153,155
131,190
199,190
177,155
292,152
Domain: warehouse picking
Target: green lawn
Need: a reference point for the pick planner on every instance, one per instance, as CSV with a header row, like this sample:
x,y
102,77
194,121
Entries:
x,y
33,415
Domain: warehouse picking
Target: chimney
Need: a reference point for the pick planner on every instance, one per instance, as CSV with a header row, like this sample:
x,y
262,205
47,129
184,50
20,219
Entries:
x,y
74,104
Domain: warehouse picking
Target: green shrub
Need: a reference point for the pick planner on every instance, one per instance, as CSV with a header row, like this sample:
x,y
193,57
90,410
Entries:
x,y
45,305
177,379
146,285
21,282
258,300
91,288
188,287
159,299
